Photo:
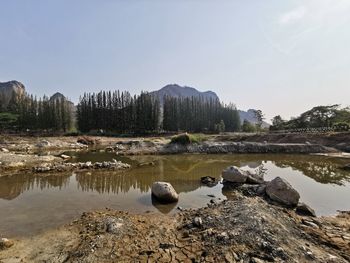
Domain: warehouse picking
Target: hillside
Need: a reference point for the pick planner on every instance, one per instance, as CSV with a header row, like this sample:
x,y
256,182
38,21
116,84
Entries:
x,y
8,90
174,90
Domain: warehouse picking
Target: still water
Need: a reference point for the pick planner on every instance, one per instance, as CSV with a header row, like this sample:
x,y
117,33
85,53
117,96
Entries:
x,y
31,203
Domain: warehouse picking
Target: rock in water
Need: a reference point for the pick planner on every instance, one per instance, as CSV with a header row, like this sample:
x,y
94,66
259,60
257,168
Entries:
x,y
233,174
305,210
281,191
164,192
208,180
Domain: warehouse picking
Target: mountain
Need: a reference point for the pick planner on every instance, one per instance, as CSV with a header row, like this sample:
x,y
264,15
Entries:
x,y
174,90
8,90
249,115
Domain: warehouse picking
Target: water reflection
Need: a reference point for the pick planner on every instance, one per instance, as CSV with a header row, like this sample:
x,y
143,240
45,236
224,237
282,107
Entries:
x,y
12,186
33,202
183,171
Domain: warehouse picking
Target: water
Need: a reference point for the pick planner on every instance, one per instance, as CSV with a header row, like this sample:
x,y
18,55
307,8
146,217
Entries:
x,y
31,203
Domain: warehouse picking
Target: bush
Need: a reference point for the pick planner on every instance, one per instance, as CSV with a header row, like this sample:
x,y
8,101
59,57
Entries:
x,y
186,138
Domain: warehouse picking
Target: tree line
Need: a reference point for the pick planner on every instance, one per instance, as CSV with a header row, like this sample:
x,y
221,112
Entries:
x,y
332,116
30,113
120,112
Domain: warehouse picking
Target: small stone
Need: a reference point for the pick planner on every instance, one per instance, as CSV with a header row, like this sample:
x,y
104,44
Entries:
x,y
65,157
4,150
310,224
305,210
197,221
5,243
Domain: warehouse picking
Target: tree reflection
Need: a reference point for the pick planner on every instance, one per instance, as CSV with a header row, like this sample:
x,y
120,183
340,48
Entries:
x,y
12,186
182,171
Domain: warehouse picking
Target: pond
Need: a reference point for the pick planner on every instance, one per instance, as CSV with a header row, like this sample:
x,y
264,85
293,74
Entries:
x,y
31,203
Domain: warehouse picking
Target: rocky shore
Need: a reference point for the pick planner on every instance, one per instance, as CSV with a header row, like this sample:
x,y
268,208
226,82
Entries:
x,y
26,153
244,228
62,167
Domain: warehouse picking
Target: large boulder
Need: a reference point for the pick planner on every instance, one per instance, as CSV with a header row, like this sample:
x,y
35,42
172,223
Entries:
x,y
281,191
233,174
164,192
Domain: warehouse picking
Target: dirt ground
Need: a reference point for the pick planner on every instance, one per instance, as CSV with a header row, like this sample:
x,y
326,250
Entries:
x,y
241,229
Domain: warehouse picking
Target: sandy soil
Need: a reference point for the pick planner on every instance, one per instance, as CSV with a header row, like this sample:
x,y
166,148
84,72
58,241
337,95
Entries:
x,y
241,229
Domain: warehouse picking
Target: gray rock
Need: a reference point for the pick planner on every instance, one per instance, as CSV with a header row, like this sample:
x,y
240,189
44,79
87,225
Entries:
x,y
305,210
197,221
281,191
113,225
164,192
254,178
43,143
233,174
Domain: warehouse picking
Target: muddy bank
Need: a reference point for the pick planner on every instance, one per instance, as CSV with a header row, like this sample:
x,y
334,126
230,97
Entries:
x,y
241,229
337,140
211,147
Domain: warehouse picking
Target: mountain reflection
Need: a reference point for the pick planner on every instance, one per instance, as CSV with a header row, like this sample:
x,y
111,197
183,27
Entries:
x,y
182,171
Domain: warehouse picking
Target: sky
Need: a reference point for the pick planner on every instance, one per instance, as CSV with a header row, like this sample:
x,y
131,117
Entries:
x,y
282,57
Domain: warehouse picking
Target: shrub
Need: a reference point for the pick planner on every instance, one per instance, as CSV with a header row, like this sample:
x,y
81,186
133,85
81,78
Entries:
x,y
186,138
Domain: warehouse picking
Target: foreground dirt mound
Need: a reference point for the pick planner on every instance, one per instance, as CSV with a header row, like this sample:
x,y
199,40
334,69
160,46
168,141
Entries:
x,y
242,229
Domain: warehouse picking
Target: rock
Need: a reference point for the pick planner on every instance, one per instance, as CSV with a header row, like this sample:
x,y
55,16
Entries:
x,y
197,221
109,149
309,223
5,243
261,189
305,210
233,174
4,150
65,157
208,180
15,164
254,178
43,143
86,140
164,192
281,191
113,225
346,167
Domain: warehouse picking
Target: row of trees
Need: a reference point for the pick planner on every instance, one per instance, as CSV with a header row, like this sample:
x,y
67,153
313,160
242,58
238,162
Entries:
x,y
198,114
120,112
29,113
320,116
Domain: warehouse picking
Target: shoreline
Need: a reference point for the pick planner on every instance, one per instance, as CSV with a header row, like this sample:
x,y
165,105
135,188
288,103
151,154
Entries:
x,y
240,229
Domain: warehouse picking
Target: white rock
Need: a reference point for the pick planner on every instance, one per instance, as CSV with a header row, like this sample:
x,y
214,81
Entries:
x,y
65,157
164,192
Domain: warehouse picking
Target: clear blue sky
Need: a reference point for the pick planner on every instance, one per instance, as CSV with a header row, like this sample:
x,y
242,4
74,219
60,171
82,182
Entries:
x,y
282,57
